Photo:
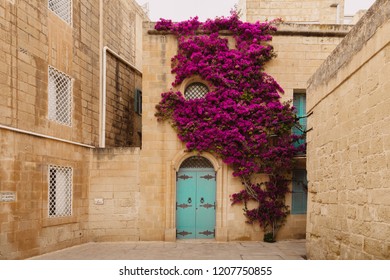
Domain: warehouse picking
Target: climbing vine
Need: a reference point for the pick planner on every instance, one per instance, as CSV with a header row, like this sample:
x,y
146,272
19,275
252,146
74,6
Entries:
x,y
242,119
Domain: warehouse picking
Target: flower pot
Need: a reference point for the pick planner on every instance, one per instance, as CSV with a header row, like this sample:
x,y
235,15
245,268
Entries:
x,y
269,237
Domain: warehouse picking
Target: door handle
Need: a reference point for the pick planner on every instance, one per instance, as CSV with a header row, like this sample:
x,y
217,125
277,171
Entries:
x,y
202,200
189,200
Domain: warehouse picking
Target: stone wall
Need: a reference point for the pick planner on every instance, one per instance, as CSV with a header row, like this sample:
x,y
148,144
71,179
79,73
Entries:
x,y
123,124
121,31
300,49
303,11
25,227
32,37
162,153
114,195
159,142
348,148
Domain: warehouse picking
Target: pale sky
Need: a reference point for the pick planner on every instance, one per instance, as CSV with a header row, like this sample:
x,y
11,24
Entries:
x,y
179,10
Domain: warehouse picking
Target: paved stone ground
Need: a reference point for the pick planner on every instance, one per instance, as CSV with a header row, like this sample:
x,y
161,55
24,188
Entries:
x,y
182,250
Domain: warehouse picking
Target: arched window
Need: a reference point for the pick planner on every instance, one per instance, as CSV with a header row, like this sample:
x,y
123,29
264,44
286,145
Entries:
x,y
195,90
196,162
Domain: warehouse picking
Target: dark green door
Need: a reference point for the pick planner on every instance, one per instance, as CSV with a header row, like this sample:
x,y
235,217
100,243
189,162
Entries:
x,y
195,203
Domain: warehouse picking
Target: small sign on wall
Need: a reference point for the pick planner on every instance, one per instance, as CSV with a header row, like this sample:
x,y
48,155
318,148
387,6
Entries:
x,y
98,201
7,196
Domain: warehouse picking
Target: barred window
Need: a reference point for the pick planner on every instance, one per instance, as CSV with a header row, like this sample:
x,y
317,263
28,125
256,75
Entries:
x,y
60,191
196,90
62,8
60,97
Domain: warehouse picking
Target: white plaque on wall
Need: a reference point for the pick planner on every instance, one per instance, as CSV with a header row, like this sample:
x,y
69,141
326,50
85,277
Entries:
x,y
7,196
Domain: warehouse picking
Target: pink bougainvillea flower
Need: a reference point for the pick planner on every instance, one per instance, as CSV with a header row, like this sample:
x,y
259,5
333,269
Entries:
x,y
242,119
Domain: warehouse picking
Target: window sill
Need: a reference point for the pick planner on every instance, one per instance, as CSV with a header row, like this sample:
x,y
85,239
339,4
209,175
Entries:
x,y
56,221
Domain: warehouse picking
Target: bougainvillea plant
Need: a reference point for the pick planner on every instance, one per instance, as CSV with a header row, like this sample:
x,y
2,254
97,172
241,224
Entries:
x,y
241,119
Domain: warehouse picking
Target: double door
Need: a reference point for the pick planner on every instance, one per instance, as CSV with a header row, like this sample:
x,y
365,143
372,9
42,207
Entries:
x,y
195,204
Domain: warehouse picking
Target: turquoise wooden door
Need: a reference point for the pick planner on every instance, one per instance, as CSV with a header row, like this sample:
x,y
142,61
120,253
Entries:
x,y
195,203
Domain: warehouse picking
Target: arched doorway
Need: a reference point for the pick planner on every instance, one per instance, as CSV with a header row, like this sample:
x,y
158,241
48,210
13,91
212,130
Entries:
x,y
195,199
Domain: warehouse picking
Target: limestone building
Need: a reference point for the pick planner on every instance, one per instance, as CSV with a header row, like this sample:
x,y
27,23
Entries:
x,y
82,155
297,11
349,153
70,78
301,47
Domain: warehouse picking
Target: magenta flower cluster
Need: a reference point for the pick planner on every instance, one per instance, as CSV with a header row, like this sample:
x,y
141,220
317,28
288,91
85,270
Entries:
x,y
242,119
271,209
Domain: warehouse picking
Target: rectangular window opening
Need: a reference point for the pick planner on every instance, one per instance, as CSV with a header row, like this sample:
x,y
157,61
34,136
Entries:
x,y
62,8
60,181
59,97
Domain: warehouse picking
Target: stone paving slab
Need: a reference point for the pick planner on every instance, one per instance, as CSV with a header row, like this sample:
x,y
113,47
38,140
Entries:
x,y
182,250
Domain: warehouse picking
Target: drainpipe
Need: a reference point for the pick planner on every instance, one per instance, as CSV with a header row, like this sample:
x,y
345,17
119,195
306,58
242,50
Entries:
x,y
44,136
103,101
101,38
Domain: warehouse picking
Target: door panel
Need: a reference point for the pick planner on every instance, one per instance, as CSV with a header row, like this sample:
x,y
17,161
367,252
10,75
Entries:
x,y
205,205
195,206
185,205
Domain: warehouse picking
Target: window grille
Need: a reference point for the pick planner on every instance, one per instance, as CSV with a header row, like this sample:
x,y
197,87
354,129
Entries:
x,y
196,162
60,191
196,90
62,8
60,97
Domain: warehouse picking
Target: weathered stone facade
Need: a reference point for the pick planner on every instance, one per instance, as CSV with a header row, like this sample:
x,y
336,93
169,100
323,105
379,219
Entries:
x,y
298,11
348,147
33,38
122,191
121,32
114,195
26,229
300,50
301,47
